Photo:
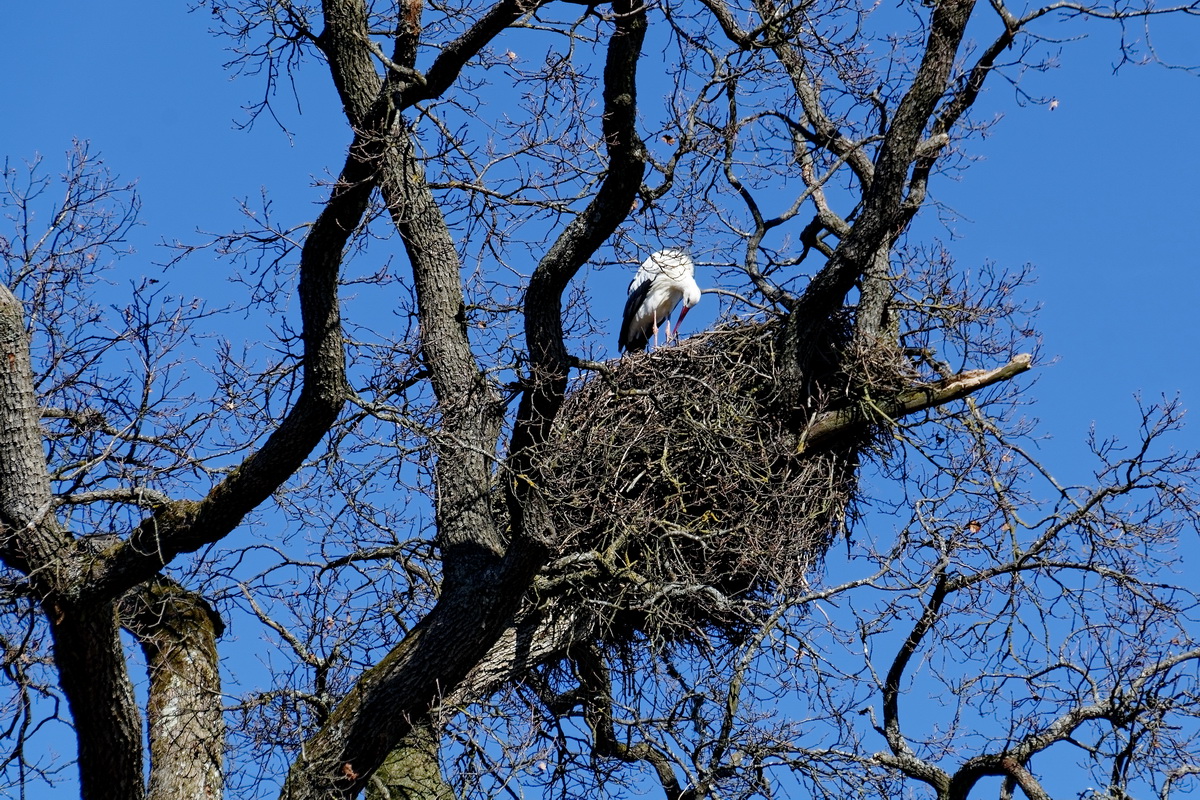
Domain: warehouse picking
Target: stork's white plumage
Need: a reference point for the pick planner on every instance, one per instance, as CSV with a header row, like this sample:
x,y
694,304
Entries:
x,y
664,279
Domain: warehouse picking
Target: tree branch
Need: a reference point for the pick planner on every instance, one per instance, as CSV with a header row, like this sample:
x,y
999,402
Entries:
x,y
549,363
832,424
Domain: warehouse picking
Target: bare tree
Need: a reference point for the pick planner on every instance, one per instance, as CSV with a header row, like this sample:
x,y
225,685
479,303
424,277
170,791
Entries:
x,y
492,562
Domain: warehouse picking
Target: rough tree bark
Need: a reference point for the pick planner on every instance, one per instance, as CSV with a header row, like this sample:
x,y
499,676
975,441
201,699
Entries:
x,y
178,633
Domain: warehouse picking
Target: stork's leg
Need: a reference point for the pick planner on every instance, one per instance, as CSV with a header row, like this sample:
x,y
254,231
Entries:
x,y
654,326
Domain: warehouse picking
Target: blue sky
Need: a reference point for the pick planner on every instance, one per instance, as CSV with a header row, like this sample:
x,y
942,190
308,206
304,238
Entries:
x,y
1100,194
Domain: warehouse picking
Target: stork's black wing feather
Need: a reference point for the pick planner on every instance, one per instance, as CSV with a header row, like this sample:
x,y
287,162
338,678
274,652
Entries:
x,y
631,340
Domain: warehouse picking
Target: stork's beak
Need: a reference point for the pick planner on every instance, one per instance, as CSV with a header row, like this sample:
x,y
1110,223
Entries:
x,y
682,313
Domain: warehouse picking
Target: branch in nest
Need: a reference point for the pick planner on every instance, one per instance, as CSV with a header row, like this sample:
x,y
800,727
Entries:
x,y
834,423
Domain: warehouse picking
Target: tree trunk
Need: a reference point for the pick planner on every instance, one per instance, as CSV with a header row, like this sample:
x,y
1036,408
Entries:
x,y
87,643
91,666
178,633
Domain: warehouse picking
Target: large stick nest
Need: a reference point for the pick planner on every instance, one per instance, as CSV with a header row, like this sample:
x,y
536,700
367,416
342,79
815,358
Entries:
x,y
684,498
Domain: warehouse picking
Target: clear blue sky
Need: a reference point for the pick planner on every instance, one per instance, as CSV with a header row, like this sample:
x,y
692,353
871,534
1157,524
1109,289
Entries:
x,y
1099,194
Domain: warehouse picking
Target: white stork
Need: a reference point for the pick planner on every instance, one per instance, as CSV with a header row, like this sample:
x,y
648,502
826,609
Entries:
x,y
663,280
